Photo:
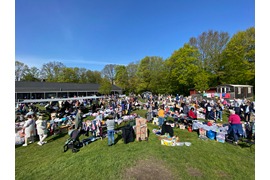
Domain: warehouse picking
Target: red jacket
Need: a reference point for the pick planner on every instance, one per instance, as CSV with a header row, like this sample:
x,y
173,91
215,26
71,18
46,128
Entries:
x,y
234,119
192,114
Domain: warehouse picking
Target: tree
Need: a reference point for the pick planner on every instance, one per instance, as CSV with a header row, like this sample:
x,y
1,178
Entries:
x,y
82,75
150,74
105,87
93,76
20,70
51,71
132,69
109,72
239,58
201,81
32,74
121,77
183,67
211,45
68,74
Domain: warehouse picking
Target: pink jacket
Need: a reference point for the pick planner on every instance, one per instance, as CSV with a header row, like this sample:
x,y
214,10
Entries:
x,y
234,119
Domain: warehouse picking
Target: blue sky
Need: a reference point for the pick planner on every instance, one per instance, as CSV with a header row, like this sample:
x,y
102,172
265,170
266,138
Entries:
x,y
93,33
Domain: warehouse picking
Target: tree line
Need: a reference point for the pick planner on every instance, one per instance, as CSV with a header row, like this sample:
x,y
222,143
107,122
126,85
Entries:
x,y
211,59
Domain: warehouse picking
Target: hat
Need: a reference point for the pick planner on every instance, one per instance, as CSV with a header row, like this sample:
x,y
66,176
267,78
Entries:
x,y
232,111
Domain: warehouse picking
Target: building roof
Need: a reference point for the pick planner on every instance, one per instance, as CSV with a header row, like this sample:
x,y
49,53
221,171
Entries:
x,y
235,85
24,86
210,88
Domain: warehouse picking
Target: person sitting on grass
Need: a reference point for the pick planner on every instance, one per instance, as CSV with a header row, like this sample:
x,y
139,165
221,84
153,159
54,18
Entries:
x,y
192,113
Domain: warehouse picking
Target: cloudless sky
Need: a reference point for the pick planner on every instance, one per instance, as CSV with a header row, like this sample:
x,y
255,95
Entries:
x,y
93,33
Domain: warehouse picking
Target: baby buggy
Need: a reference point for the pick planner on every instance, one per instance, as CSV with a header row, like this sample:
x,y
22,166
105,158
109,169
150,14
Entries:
x,y
73,142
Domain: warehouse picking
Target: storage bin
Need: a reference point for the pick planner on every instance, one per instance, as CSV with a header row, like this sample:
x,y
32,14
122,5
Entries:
x,y
211,135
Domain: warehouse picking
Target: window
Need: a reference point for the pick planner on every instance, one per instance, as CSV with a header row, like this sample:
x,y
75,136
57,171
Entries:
x,y
249,90
239,90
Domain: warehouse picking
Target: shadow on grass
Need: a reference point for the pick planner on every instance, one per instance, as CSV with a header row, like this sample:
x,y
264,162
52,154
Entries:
x,y
17,146
36,139
247,144
55,137
119,137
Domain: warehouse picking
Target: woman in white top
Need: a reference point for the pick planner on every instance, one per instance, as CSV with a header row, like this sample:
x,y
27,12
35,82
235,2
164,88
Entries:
x,y
29,128
41,130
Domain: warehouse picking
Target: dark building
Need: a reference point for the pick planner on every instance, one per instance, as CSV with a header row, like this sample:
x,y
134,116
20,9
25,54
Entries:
x,y
45,90
236,91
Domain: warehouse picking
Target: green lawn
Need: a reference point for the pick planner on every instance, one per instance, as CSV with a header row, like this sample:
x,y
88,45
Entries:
x,y
137,160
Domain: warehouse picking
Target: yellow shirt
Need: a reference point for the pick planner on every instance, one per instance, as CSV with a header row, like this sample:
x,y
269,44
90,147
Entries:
x,y
161,113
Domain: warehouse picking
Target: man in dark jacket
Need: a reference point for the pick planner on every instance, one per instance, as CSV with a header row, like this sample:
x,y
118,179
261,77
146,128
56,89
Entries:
x,y
78,119
247,111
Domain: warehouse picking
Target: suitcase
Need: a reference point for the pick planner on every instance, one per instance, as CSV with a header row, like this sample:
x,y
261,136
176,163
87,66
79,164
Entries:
x,y
141,129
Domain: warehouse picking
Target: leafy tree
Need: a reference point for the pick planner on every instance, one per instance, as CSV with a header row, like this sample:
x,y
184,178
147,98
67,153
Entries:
x,y
51,71
211,45
132,69
201,81
183,66
157,82
105,87
121,77
149,74
109,72
93,76
82,75
20,70
239,58
32,74
69,75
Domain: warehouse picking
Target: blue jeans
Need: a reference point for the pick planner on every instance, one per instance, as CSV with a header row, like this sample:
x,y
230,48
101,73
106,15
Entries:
x,y
160,121
110,137
219,114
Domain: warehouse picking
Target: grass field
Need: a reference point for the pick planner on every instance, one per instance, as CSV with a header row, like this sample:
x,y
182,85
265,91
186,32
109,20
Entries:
x,y
204,159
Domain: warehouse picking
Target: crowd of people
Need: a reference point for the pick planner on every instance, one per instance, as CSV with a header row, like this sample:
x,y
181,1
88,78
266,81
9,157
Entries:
x,y
32,122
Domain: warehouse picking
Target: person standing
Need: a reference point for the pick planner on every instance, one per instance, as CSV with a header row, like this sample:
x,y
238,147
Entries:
x,y
161,116
247,110
237,108
78,119
29,129
41,130
53,125
208,109
219,110
110,129
235,126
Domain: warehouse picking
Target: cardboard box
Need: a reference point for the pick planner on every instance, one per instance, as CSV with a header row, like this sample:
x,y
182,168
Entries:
x,y
140,121
141,132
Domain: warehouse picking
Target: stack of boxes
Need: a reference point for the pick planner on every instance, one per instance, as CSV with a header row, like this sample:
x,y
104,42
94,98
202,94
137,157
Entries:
x,y
141,129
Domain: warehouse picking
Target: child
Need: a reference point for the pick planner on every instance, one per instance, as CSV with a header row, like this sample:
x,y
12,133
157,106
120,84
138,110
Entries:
x,y
29,128
41,130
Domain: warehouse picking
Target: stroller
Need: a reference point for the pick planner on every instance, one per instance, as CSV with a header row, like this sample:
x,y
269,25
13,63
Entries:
x,y
73,142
